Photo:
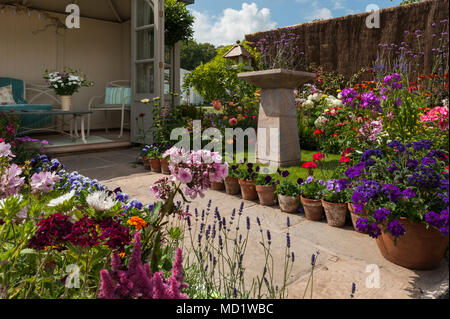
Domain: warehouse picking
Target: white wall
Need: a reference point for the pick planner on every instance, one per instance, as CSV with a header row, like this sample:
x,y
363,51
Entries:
x,y
100,49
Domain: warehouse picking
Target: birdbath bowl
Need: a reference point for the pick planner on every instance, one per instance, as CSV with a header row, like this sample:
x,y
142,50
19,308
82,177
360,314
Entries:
x,y
277,140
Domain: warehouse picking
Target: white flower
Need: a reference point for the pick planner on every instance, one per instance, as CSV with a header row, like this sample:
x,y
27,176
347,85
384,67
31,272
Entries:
x,y
308,104
100,201
61,200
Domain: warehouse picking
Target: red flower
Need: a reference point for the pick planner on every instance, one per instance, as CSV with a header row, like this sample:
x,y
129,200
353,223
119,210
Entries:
x,y
318,156
318,132
344,159
309,165
335,134
348,150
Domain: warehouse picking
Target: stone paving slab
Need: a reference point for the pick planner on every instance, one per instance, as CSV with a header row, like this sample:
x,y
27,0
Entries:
x,y
344,253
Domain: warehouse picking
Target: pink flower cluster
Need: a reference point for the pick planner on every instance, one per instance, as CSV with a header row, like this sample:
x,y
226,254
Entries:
x,y
195,169
43,182
10,181
137,282
437,115
370,130
5,150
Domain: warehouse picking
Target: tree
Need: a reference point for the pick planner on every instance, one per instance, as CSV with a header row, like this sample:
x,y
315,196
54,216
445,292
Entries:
x,y
218,79
193,54
178,22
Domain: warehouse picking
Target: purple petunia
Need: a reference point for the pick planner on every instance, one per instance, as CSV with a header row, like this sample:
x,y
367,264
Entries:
x,y
381,214
396,228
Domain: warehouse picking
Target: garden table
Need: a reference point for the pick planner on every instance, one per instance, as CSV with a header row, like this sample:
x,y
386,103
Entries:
x,y
74,117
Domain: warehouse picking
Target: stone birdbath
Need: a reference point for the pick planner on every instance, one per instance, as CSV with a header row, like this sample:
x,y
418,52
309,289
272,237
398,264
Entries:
x,y
277,140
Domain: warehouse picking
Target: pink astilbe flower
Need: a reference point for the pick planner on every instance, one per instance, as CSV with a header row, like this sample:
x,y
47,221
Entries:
x,y
43,182
10,181
137,282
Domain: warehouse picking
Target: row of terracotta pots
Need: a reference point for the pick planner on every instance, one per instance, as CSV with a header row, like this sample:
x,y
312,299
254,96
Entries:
x,y
420,248
156,165
314,209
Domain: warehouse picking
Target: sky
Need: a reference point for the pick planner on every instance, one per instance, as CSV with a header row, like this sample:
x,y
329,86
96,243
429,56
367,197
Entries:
x,y
222,22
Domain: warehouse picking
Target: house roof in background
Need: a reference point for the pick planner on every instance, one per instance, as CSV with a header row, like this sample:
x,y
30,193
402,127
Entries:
x,y
108,10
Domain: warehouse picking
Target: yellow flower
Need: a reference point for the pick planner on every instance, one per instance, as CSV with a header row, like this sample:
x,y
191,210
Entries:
x,y
240,117
145,101
339,91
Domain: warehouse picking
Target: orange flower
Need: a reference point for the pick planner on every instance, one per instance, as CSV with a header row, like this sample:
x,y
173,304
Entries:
x,y
137,222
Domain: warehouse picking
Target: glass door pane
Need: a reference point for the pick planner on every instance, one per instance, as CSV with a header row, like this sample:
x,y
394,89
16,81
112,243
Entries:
x,y
145,48
145,15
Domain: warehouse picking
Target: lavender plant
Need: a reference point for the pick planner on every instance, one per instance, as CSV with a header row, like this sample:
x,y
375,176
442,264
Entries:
x,y
280,50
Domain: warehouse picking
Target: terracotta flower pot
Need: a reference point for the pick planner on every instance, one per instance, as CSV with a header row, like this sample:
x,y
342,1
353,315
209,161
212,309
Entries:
x,y
164,166
248,190
419,248
155,165
356,216
266,194
335,213
146,162
289,204
232,185
313,208
217,186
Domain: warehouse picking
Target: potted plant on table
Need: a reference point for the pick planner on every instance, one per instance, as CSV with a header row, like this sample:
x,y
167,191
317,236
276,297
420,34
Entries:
x,y
65,84
334,202
312,191
247,175
288,196
265,187
405,191
232,186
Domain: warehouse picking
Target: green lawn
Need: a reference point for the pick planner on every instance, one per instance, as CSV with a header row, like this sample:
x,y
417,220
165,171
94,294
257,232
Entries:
x,y
296,172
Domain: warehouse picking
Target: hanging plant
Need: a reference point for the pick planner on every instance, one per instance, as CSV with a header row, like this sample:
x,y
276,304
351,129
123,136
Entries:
x,y
178,22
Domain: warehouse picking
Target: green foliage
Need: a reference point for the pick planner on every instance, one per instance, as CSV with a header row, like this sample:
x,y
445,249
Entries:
x,y
288,188
178,22
218,79
193,54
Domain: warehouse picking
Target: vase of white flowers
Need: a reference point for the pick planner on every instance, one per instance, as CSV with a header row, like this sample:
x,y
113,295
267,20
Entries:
x,y
65,84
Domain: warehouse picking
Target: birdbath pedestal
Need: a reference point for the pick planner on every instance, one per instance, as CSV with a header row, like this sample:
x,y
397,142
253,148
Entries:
x,y
277,140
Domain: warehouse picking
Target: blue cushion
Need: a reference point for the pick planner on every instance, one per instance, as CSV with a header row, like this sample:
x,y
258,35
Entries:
x,y
116,95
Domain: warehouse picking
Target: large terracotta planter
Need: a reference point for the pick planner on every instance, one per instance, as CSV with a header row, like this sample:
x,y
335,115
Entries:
x,y
355,217
335,213
232,186
155,165
313,209
164,166
289,204
266,194
419,248
248,190
217,186
146,162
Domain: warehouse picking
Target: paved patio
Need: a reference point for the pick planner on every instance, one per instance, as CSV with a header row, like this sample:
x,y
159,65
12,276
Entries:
x,y
344,254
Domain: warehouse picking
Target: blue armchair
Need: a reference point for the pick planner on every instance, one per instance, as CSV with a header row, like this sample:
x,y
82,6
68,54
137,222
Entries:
x,y
28,121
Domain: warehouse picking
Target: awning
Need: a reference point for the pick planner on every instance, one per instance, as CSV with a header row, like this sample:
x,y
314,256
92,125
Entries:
x,y
108,10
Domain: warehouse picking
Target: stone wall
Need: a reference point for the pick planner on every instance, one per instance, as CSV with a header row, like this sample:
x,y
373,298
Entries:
x,y
345,44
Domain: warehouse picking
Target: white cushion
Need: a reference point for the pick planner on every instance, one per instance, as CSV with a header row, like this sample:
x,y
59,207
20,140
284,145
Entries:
x,y
6,95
